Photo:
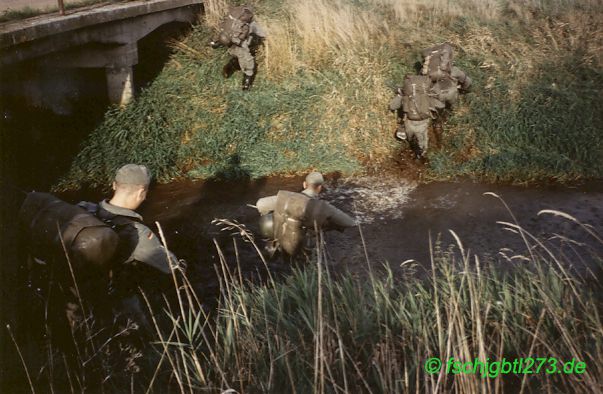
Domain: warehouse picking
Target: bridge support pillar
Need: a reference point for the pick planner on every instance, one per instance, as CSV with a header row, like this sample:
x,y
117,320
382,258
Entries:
x,y
120,85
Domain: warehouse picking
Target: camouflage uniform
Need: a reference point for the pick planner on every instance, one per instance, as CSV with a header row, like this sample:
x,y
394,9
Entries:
x,y
243,51
414,131
447,89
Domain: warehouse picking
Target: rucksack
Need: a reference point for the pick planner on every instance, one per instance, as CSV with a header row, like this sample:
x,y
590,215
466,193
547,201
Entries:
x,y
235,26
437,62
53,225
416,100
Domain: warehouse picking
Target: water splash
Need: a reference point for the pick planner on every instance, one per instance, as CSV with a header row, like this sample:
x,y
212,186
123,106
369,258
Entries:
x,y
370,198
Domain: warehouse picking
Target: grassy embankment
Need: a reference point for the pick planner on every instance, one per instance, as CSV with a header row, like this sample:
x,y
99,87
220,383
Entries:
x,y
320,97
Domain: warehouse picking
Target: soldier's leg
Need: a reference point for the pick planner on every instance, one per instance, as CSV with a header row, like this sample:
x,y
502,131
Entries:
x,y
438,129
423,136
411,136
230,67
246,62
451,97
443,111
417,135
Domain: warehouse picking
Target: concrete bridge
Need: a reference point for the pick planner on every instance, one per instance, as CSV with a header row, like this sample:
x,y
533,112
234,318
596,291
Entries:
x,y
98,37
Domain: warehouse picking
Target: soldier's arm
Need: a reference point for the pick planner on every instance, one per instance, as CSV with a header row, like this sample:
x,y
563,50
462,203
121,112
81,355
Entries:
x,y
396,103
341,220
331,218
462,78
151,252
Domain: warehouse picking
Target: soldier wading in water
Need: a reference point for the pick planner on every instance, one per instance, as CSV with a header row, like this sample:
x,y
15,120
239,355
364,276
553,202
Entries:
x,y
96,256
289,219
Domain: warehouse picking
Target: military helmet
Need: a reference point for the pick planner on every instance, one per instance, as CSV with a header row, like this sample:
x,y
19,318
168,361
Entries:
x,y
267,225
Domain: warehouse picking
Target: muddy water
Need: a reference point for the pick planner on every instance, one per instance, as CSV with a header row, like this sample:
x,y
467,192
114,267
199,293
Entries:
x,y
396,218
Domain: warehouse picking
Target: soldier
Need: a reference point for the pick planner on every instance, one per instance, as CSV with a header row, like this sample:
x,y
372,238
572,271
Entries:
x,y
289,218
415,105
313,184
447,79
141,261
95,258
242,35
69,257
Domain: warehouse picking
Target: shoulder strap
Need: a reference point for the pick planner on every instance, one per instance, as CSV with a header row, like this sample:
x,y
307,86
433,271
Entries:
x,y
115,221
90,207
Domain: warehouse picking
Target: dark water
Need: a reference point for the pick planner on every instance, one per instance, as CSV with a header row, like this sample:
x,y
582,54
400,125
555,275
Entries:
x,y
396,218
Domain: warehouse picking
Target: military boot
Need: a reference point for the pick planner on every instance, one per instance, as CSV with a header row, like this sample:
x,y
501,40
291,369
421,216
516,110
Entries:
x,y
438,131
247,81
400,133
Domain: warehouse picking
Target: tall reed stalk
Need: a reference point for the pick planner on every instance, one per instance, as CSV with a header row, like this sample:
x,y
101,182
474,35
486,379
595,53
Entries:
x,y
313,332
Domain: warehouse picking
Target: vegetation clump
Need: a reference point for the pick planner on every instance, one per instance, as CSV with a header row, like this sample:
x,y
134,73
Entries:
x,y
321,94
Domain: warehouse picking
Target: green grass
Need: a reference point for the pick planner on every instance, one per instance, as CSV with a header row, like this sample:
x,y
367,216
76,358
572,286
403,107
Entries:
x,y
24,13
551,131
319,102
193,123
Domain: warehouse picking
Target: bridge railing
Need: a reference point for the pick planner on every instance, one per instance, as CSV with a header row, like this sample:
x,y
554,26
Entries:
x,y
15,10
66,4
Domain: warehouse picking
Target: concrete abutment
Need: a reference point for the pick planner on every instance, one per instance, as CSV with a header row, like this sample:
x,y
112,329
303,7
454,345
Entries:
x,y
99,38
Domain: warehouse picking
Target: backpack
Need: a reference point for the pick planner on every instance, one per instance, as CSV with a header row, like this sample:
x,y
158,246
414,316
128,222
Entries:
x,y
438,61
235,26
416,100
52,224
290,220
296,213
